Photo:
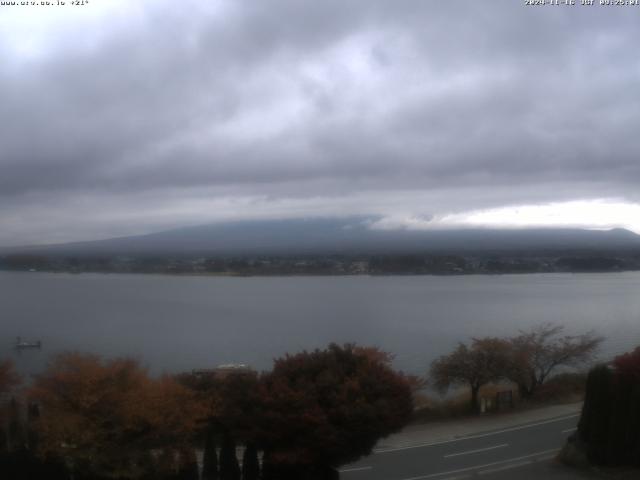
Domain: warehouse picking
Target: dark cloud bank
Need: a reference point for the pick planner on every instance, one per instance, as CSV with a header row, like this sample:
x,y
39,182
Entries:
x,y
193,112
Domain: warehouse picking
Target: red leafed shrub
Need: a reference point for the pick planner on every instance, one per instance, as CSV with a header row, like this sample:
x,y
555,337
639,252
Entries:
x,y
628,365
329,407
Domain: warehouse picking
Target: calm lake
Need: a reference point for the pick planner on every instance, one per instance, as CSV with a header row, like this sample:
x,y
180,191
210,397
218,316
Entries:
x,y
176,323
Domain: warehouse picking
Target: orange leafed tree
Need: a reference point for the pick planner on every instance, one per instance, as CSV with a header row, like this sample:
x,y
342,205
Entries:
x,y
9,378
475,365
102,417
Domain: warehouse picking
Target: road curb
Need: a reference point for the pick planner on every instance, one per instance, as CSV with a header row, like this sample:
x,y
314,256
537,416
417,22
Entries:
x,y
441,432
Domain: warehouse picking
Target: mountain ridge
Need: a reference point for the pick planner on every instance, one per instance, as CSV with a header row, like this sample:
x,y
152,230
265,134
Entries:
x,y
324,236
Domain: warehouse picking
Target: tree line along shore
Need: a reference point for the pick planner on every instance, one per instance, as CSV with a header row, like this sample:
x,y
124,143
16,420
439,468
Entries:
x,y
390,264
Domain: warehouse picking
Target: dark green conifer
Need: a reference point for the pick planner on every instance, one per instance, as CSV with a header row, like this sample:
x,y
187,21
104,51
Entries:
x,y
148,466
187,465
210,458
17,440
229,468
166,465
33,414
250,463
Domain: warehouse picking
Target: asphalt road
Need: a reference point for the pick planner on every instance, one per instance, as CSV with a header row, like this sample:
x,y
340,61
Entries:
x,y
529,448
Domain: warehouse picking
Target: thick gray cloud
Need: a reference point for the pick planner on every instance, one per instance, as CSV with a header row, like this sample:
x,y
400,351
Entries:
x,y
166,114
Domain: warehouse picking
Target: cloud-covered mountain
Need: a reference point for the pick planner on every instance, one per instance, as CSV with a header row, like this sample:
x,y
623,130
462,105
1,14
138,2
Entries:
x,y
340,236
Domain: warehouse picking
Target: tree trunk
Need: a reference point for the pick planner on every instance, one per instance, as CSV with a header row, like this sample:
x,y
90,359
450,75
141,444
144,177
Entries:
x,y
475,407
522,391
525,390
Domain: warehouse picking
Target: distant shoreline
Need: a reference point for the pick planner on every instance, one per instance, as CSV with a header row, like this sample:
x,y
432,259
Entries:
x,y
309,274
335,264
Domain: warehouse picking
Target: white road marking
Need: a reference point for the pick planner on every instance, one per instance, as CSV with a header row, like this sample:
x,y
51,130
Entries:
x,y
476,451
515,465
355,469
569,430
504,467
486,465
471,437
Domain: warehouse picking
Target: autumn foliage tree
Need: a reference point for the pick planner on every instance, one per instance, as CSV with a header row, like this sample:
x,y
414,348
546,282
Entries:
x,y
472,365
103,417
325,408
537,353
9,378
17,439
527,360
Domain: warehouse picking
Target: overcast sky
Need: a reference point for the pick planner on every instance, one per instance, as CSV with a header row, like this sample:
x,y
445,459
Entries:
x,y
126,117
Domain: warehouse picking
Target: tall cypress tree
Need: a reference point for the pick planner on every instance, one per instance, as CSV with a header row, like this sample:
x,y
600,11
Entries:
x,y
17,438
166,464
268,471
250,463
229,468
634,425
598,413
617,441
148,466
5,461
210,458
33,414
188,465
4,441
610,418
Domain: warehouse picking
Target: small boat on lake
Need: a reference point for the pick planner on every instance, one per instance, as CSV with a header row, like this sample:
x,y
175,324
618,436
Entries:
x,y
21,344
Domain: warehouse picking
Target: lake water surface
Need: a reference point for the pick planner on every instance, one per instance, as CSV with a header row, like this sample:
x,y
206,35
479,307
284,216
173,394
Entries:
x,y
178,323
